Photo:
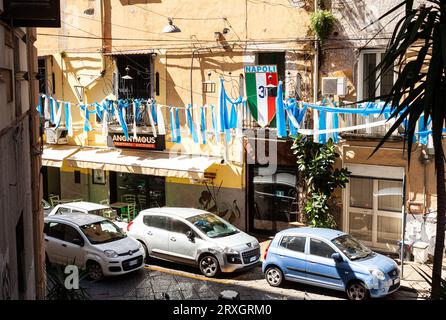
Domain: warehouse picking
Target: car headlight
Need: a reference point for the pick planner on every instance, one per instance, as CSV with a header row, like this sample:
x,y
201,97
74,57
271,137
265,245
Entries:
x,y
378,274
230,251
111,253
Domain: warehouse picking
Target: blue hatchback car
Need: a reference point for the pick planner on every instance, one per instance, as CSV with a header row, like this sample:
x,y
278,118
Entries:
x,y
330,259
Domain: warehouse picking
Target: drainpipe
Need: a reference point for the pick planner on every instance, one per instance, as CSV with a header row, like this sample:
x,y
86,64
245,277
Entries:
x,y
316,61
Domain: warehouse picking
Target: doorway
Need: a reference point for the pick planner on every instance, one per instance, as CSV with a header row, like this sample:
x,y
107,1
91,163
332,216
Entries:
x,y
273,204
374,211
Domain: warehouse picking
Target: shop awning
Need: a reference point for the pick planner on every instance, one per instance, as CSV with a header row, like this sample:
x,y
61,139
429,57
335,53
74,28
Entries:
x,y
143,162
129,52
53,155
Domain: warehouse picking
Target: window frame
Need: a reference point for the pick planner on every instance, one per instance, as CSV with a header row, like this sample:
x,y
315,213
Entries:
x,y
360,72
289,235
78,233
48,234
323,241
167,225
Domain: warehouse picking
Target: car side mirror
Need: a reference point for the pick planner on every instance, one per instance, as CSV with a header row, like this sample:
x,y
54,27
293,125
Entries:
x,y
78,242
337,257
190,235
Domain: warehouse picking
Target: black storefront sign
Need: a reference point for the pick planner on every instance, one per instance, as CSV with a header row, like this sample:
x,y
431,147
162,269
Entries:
x,y
142,141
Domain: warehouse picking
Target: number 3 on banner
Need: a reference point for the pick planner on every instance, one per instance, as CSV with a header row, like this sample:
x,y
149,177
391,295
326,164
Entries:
x,y
261,92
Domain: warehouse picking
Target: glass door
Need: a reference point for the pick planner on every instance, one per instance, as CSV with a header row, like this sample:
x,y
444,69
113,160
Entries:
x,y
374,212
273,201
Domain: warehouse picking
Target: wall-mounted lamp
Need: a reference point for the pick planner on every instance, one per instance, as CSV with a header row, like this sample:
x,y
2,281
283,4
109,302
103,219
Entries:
x,y
171,28
209,86
127,76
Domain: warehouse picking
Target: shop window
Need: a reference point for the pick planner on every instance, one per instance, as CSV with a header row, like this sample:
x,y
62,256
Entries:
x,y
147,191
369,84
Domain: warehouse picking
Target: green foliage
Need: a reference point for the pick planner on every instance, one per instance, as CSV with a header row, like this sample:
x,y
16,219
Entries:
x,y
322,23
420,88
55,285
316,163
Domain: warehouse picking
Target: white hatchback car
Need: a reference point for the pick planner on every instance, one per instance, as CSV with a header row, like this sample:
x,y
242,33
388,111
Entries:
x,y
90,208
195,237
93,243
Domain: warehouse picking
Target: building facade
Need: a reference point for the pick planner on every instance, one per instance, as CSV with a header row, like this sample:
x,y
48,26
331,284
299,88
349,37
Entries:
x,y
22,252
117,49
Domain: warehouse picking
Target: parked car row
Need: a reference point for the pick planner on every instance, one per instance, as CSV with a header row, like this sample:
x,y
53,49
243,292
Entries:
x,y
81,233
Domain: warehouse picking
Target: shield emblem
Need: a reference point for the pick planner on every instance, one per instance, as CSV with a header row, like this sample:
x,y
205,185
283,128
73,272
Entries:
x,y
261,90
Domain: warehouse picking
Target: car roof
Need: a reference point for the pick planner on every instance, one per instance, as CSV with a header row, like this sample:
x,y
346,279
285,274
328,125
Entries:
x,y
83,205
175,211
78,219
328,234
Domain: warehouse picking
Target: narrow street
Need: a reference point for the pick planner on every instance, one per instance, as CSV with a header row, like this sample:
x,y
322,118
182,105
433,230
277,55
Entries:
x,y
186,283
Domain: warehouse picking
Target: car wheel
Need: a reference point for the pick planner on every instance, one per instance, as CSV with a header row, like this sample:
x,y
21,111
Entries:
x,y
357,291
94,270
146,260
209,266
274,276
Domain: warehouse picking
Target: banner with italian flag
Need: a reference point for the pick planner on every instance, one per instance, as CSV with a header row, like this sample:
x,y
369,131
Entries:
x,y
260,82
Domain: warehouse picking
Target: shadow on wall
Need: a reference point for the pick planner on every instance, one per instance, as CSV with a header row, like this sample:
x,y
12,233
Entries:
x,y
218,63
210,201
353,16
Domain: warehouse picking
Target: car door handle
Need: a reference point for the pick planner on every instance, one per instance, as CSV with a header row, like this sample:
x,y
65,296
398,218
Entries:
x,y
173,239
47,240
282,256
64,245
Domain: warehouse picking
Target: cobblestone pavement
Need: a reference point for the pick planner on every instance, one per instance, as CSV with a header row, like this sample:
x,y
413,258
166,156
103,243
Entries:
x,y
184,283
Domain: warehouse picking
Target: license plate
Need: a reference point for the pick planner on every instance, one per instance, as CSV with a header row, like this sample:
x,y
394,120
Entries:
x,y
253,259
395,281
133,262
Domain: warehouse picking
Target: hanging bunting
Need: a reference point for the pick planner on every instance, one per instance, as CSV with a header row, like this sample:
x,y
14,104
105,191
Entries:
x,y
68,120
160,121
280,113
121,111
214,124
191,124
322,126
154,112
173,132
151,120
40,105
203,125
135,108
177,125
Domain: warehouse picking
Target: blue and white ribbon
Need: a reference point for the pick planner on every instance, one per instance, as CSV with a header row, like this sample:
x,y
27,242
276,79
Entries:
x,y
191,124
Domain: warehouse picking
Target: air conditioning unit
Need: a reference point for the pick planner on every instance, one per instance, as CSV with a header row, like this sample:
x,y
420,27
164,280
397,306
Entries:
x,y
334,86
56,135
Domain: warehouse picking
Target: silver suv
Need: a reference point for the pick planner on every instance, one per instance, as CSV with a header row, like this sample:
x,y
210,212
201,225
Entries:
x,y
194,237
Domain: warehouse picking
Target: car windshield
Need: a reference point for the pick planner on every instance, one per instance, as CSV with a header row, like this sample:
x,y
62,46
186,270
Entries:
x,y
102,232
212,226
351,247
